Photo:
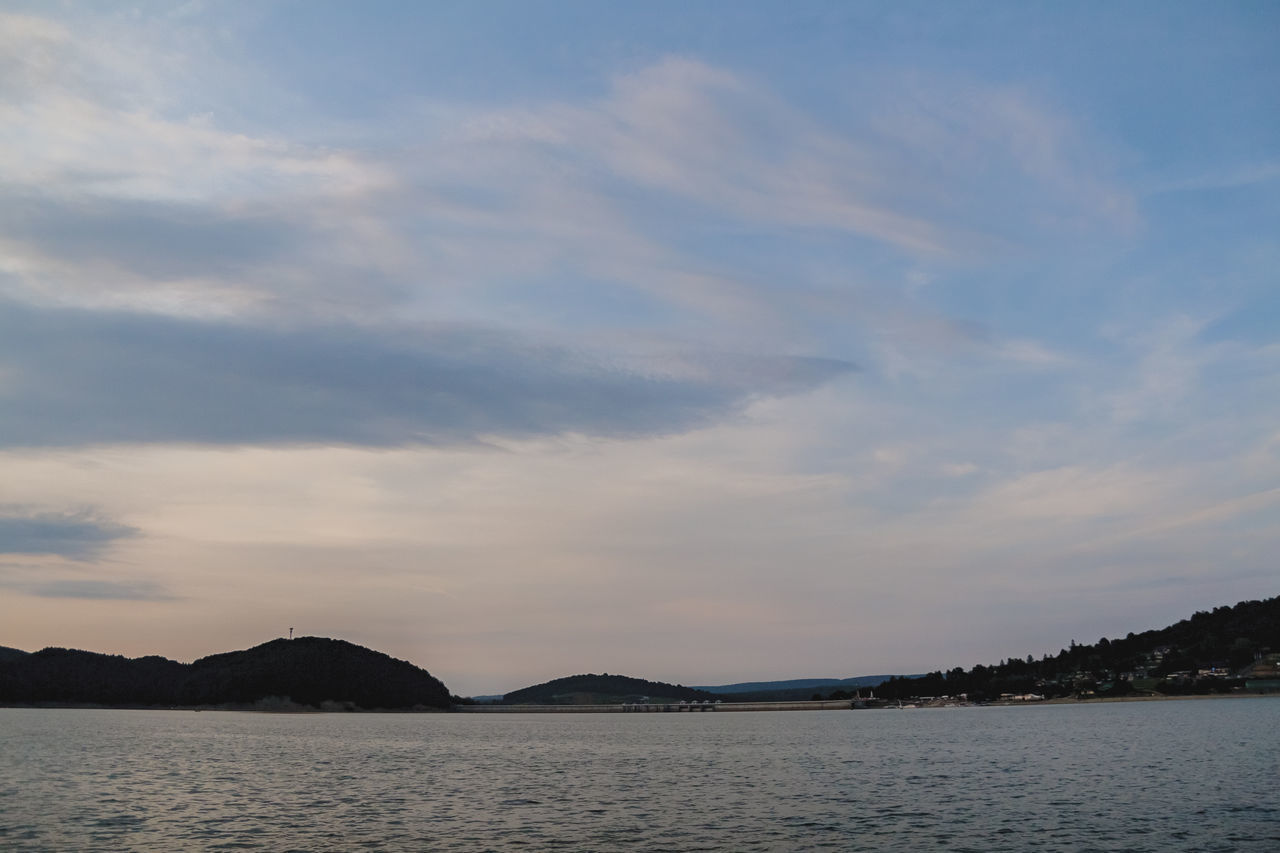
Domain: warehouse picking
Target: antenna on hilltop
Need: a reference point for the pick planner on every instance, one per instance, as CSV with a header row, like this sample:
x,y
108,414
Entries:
x,y
290,633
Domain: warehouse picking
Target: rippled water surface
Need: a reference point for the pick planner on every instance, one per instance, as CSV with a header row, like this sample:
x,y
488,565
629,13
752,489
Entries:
x,y
1157,776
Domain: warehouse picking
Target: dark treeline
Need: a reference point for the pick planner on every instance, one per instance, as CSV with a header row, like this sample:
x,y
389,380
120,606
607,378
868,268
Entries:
x,y
603,689
1172,660
308,671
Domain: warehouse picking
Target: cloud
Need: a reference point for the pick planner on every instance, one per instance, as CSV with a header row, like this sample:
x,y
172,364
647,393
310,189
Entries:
x,y
1248,175
76,377
1170,359
999,157
29,52
158,240
81,146
99,590
587,215
1030,354
915,167
77,535
705,133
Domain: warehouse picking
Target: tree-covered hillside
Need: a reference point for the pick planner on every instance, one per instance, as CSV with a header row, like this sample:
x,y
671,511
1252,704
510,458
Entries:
x,y
602,689
1213,651
308,671
8,654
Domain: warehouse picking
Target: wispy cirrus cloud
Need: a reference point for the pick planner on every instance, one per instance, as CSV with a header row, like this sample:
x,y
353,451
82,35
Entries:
x,y
900,168
468,209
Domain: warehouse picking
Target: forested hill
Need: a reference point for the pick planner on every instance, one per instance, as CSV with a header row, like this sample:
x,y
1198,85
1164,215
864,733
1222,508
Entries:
x,y
602,689
307,671
8,654
1212,651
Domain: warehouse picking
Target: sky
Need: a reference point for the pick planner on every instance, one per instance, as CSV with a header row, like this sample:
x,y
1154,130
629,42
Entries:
x,y
691,342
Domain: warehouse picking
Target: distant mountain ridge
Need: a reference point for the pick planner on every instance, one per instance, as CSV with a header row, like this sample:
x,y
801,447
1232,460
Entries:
x,y
307,671
860,681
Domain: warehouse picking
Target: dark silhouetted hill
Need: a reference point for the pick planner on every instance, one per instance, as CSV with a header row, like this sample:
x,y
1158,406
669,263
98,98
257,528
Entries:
x,y
8,654
308,671
602,690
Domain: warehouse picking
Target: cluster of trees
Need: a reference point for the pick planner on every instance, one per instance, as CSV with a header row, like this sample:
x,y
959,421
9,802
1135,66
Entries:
x,y
308,671
1226,637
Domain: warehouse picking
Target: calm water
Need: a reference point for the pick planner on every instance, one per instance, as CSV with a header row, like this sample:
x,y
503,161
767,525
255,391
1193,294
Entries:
x,y
1166,776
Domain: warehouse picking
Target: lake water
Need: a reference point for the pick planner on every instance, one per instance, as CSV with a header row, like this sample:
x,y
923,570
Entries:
x,y
1155,776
